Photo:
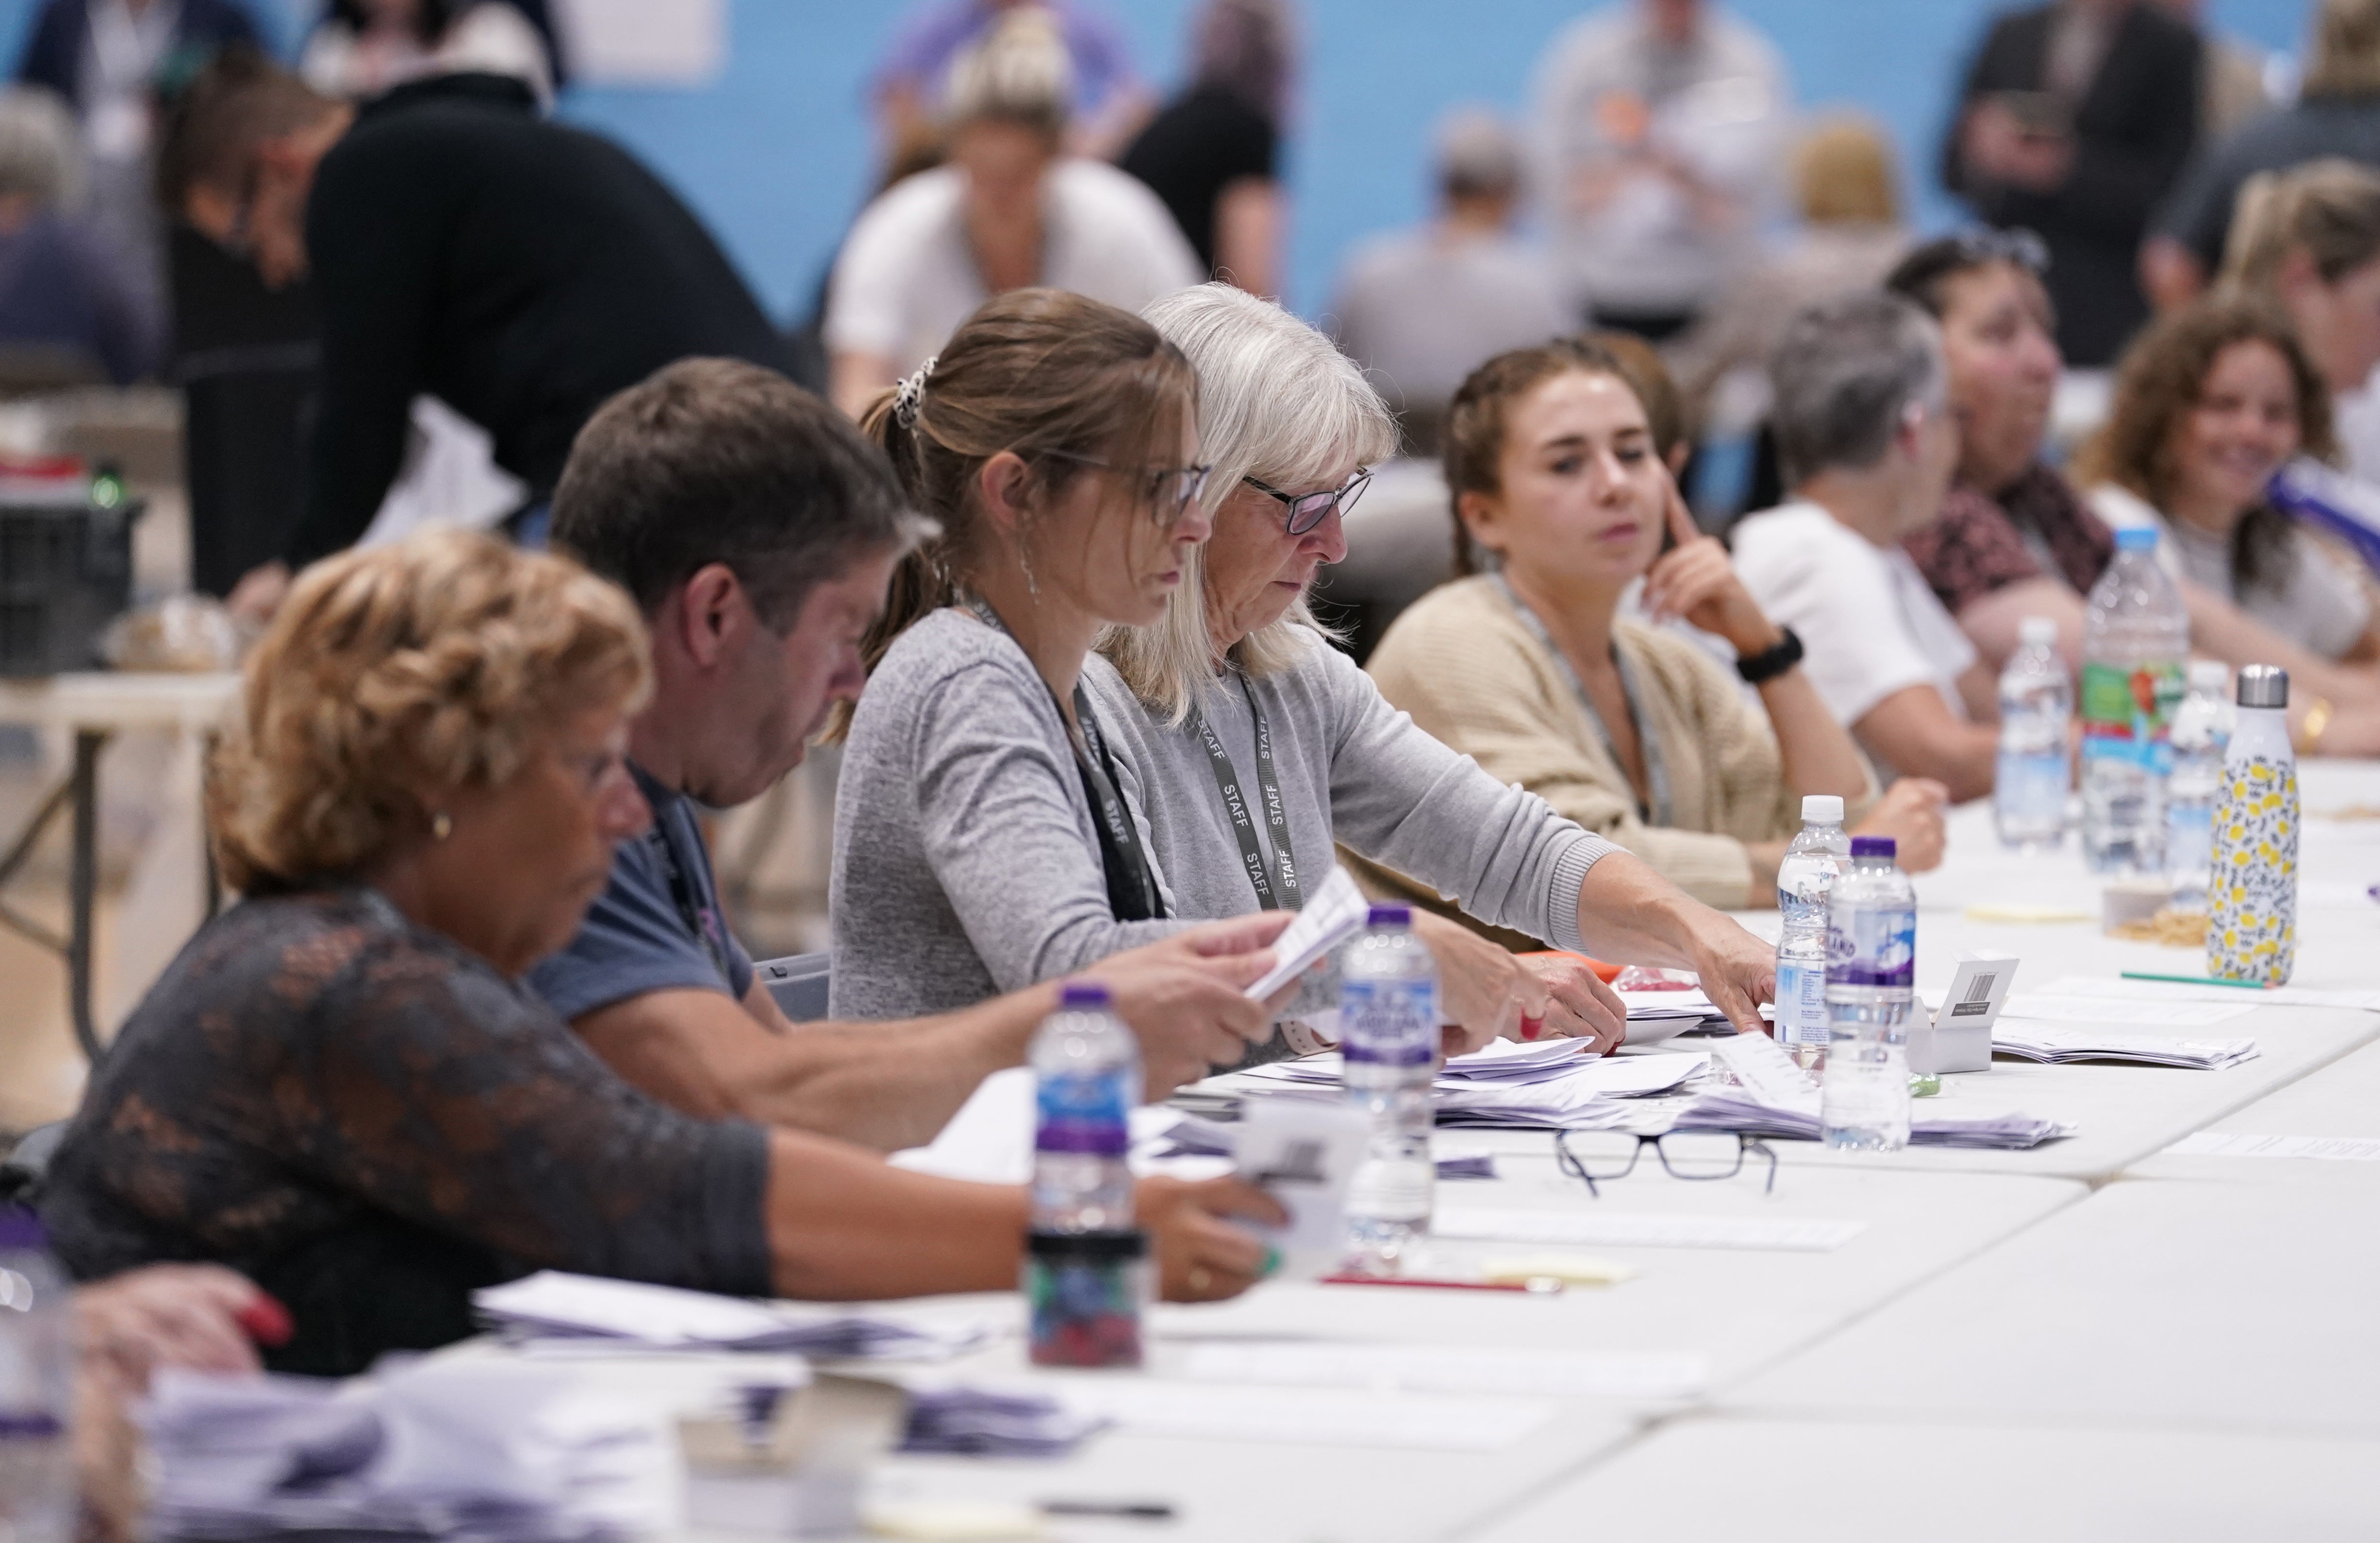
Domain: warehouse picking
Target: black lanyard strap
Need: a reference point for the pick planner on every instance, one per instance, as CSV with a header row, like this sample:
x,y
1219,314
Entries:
x,y
1655,810
1133,894
1235,805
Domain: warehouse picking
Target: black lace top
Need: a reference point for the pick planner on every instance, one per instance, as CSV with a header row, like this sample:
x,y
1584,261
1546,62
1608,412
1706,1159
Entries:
x,y
371,1122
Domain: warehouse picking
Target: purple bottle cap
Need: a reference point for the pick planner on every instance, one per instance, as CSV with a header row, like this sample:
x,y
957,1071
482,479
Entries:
x,y
1875,846
1389,913
21,1228
1083,993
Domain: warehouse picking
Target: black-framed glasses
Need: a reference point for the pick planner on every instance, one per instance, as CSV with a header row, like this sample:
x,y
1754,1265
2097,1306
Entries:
x,y
1602,1157
1310,509
1170,490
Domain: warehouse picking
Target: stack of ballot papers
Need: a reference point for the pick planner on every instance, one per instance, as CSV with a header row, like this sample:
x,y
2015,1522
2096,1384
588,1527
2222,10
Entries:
x,y
1195,1136
556,1310
1547,1085
980,1422
2038,1041
507,1452
1738,1109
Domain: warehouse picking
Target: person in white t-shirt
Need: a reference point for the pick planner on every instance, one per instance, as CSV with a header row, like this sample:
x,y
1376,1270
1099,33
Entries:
x,y
1007,211
1864,429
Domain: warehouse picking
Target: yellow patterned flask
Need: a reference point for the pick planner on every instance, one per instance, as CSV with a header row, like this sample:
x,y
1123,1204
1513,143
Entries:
x,y
2252,896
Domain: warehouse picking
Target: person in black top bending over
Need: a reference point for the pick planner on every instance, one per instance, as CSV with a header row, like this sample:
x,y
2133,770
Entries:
x,y
459,245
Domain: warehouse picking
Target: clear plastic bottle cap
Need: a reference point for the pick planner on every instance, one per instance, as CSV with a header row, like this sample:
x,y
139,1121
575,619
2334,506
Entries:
x,y
2264,685
1389,914
1822,808
1875,846
2136,538
1083,993
2038,632
2210,674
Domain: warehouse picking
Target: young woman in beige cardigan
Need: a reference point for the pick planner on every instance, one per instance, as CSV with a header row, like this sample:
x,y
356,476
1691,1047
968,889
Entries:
x,y
1634,731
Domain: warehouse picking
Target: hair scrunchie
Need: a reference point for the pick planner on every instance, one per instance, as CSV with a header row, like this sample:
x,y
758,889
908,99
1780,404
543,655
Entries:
x,y
911,393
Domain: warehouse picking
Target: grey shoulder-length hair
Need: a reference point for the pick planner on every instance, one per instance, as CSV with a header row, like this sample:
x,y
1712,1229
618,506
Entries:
x,y
1279,402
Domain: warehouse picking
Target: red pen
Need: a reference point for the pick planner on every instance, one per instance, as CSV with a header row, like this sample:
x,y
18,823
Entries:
x,y
1542,1285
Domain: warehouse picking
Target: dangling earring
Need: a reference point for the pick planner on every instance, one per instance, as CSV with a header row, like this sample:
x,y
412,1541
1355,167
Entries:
x,y
442,825
1025,561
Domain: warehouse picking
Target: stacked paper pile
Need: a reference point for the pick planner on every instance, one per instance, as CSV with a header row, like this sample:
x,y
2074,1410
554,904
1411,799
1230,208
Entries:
x,y
978,1422
503,1453
1549,1085
1737,1109
2037,1041
1195,1136
589,1312
1656,1015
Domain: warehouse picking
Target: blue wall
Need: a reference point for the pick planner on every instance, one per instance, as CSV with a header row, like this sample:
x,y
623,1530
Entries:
x,y
775,154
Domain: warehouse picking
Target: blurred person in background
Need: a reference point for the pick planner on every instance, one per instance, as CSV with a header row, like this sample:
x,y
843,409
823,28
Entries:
x,y
2209,403
104,57
1847,192
2309,239
460,245
360,48
1866,431
2073,120
1531,670
2236,78
1656,122
1010,210
69,303
1419,308
1107,101
2337,113
1213,154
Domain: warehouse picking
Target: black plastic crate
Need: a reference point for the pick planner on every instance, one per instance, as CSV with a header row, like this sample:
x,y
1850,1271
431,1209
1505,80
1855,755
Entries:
x,y
66,572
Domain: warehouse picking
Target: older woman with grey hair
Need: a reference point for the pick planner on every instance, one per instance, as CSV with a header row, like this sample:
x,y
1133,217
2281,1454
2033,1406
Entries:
x,y
1237,687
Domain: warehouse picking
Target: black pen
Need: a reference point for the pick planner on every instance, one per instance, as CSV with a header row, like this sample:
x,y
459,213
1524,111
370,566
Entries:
x,y
1143,1510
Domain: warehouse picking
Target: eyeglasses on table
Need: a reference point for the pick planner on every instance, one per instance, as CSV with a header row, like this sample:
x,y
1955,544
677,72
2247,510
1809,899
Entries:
x,y
1604,1156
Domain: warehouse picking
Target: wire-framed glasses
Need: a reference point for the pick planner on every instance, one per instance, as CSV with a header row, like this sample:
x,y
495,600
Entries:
x,y
1169,491
1310,509
1602,1157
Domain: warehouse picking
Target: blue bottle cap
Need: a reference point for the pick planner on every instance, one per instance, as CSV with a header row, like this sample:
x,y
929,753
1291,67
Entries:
x,y
2136,538
1390,912
1875,846
1084,993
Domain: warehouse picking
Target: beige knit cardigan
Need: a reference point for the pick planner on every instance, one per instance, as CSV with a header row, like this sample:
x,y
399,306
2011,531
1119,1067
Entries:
x,y
1473,673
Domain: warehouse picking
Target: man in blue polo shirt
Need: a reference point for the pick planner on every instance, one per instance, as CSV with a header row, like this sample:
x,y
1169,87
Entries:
x,y
758,530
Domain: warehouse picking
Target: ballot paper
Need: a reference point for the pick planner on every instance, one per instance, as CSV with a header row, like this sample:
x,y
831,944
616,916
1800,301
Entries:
x,y
1550,1086
1644,1230
1692,1004
1303,1155
979,1422
1423,1368
1737,1109
1334,913
630,1314
434,1449
2103,987
1183,1135
2035,1041
2041,1006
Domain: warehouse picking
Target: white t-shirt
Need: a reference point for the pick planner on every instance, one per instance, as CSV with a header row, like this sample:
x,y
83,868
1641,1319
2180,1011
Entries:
x,y
906,277
2318,602
1869,626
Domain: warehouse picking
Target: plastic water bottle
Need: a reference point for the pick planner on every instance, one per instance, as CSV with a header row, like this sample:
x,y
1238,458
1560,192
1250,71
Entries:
x,y
1805,881
2252,913
2201,731
2135,639
1387,1024
2037,702
1086,1268
37,1472
1871,973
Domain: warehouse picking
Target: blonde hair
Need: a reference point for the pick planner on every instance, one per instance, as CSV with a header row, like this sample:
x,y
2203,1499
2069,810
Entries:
x,y
2345,58
2330,207
1279,402
1019,72
1843,173
394,675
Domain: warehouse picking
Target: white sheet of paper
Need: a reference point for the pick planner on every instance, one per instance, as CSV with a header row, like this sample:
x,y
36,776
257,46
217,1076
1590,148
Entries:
x,y
1303,1155
2039,1006
1336,913
989,1140
2329,1148
660,1315
1304,1415
1641,1230
1456,1369
1767,1073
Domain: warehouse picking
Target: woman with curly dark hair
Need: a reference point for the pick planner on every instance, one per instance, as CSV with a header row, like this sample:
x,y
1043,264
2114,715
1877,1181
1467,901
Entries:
x,y
2208,405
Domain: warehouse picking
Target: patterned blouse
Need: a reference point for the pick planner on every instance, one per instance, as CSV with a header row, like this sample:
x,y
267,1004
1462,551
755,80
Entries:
x,y
371,1122
2038,525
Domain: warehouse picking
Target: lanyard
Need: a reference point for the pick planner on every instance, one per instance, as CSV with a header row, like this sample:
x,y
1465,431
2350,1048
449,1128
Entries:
x,y
1656,772
1132,887
1235,804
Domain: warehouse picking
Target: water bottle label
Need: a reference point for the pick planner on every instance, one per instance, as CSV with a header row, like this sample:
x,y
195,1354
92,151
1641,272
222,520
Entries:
x,y
1389,1023
2128,714
1087,1113
2188,836
2033,785
1872,947
1801,1016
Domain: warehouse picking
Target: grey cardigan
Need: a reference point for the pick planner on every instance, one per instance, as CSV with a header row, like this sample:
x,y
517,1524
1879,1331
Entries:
x,y
965,862
1353,769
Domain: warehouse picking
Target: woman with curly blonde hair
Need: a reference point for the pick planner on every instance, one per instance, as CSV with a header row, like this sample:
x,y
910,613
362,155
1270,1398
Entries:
x,y
340,1090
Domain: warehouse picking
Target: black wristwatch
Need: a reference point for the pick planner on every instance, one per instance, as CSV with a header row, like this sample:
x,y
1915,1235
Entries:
x,y
1758,669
